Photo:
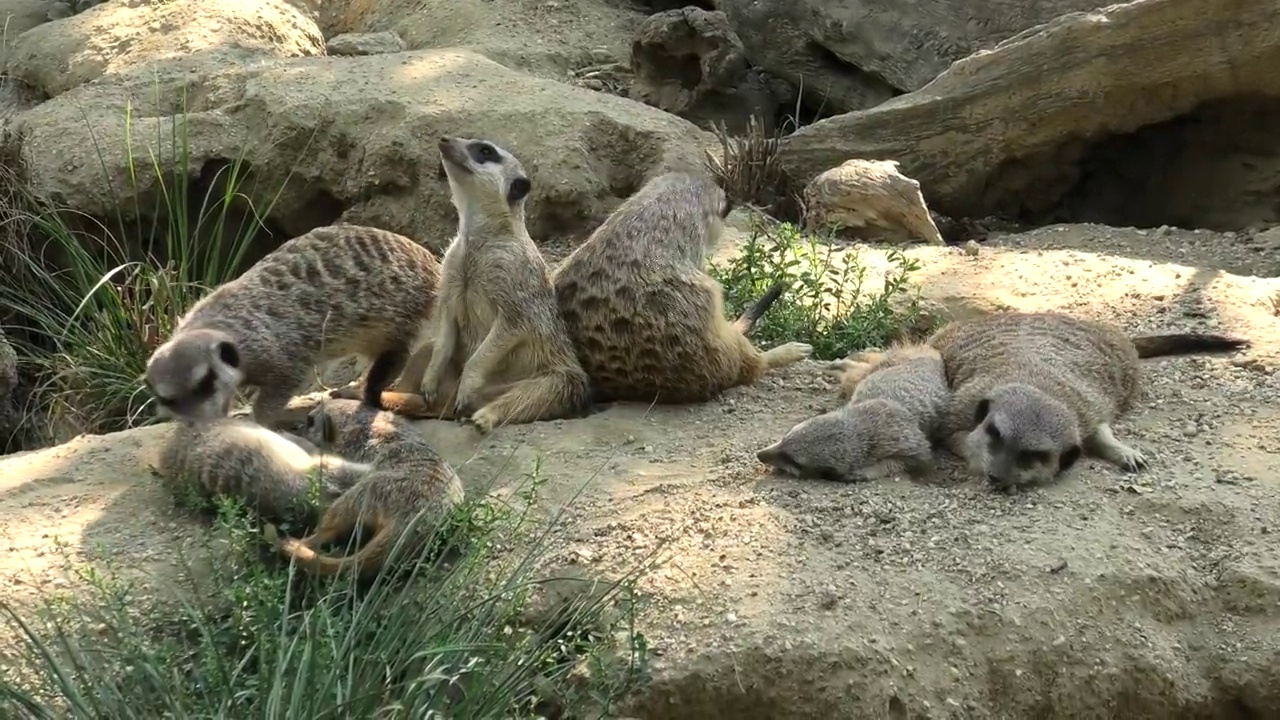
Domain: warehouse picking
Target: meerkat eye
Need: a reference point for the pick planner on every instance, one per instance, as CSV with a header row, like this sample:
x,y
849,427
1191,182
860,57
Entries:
x,y
1031,458
993,432
483,152
204,388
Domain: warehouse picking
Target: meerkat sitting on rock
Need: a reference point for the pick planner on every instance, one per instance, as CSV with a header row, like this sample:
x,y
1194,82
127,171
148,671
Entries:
x,y
334,292
283,478
646,319
409,489
1033,392
887,427
499,344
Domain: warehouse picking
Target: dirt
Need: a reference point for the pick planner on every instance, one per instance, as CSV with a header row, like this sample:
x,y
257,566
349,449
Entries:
x,y
1157,593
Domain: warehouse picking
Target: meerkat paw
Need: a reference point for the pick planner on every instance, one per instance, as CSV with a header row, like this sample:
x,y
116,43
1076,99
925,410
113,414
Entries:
x,y
1104,444
271,535
347,392
788,353
483,420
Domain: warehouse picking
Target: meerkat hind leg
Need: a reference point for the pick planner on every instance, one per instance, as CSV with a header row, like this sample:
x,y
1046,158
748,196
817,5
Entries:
x,y
495,347
1102,443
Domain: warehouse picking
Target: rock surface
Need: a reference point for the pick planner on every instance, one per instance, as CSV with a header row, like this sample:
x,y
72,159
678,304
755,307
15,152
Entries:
x,y
1155,595
1006,131
690,63
379,43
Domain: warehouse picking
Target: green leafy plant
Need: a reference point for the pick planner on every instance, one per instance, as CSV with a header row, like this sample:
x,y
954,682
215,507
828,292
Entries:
x,y
89,303
454,637
828,302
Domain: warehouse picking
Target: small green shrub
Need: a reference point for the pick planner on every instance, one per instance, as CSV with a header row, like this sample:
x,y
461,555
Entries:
x,y
88,303
827,302
453,639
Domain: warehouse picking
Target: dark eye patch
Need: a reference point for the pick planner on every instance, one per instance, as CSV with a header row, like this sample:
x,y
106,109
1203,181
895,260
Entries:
x,y
1031,458
482,152
993,432
204,388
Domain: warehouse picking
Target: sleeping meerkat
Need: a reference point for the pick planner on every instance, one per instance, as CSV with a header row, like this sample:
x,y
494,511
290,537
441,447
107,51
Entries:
x,y
285,479
410,487
646,319
1035,391
887,427
334,292
497,336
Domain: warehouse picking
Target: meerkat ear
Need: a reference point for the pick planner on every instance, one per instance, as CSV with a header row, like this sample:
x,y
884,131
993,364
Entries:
x,y
1068,457
227,354
519,189
981,411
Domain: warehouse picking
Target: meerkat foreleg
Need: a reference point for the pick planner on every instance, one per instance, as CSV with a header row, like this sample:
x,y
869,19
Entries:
x,y
495,347
1102,443
410,380
445,346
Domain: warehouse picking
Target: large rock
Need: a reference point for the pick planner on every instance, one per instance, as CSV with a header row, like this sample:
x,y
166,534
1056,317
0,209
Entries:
x,y
689,62
351,137
115,36
903,45
1005,131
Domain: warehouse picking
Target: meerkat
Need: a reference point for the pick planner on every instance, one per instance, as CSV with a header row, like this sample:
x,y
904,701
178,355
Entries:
x,y
283,477
410,487
1033,392
498,341
887,427
333,292
646,319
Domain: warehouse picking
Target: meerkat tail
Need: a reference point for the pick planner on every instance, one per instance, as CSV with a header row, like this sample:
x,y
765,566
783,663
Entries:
x,y
368,560
1150,346
752,315
545,397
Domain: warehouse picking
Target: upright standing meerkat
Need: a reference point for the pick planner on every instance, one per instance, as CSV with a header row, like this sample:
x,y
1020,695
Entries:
x,y
336,291
497,336
888,425
1035,391
647,320
410,488
285,479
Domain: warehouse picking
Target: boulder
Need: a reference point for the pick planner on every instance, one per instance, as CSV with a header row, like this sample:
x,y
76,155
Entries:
x,y
378,43
349,138
17,17
58,56
872,195
1005,131
893,44
689,62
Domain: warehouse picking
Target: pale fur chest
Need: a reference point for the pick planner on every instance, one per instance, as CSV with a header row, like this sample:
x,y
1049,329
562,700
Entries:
x,y
467,279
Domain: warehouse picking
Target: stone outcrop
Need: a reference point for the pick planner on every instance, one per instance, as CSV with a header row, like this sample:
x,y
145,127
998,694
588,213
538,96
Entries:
x,y
1005,131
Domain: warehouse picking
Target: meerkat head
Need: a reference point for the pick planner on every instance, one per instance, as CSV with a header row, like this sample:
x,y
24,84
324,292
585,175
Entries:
x,y
844,445
194,375
1022,437
340,423
484,178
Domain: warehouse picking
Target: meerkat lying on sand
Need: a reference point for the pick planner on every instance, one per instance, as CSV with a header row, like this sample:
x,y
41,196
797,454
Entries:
x,y
887,427
645,317
284,478
410,488
333,292
497,336
1035,391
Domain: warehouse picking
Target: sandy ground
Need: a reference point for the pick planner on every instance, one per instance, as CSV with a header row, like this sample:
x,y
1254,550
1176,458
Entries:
x,y
1156,593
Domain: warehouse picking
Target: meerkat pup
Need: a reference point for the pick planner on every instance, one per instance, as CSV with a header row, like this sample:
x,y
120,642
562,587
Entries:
x,y
497,336
410,488
1032,392
284,478
646,319
886,428
334,292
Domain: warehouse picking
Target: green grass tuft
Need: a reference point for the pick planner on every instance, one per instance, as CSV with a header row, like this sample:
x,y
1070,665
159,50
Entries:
x,y
461,636
828,302
88,303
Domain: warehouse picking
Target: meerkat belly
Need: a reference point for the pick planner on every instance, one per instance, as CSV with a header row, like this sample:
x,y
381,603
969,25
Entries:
x,y
477,316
